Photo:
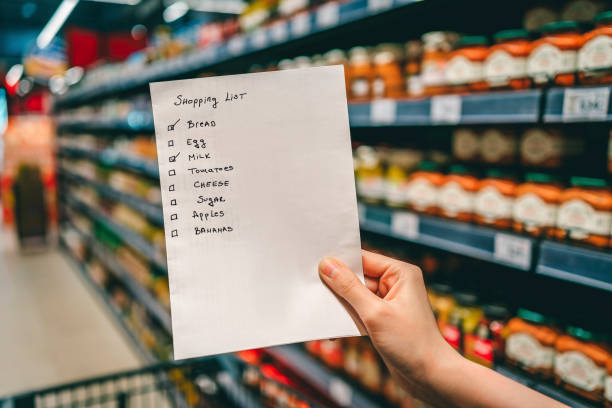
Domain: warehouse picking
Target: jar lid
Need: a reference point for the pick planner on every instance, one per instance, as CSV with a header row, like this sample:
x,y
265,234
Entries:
x,y
603,16
499,174
588,182
567,25
532,316
441,288
428,166
470,40
581,333
335,56
459,169
505,35
540,178
466,298
496,311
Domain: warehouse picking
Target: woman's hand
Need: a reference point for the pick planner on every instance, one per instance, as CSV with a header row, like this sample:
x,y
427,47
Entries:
x,y
394,308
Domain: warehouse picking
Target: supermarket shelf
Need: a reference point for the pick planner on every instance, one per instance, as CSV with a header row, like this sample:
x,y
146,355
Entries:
x,y
140,293
326,17
112,158
136,121
457,237
145,354
151,211
585,104
492,107
576,264
325,381
128,236
546,389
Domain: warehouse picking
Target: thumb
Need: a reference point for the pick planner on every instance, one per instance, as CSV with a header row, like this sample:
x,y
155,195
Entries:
x,y
345,284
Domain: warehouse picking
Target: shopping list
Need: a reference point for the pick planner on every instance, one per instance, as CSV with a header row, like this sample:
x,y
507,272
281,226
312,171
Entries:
x,y
257,185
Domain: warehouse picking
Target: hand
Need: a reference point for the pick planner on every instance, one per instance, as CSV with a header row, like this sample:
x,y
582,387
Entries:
x,y
394,308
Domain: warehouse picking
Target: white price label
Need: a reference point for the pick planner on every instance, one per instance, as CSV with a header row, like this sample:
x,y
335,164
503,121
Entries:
x,y
328,15
405,224
445,109
514,250
383,111
585,104
361,211
379,5
300,25
259,38
279,32
236,45
340,391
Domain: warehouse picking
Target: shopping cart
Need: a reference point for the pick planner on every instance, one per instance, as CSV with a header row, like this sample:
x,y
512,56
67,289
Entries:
x,y
211,382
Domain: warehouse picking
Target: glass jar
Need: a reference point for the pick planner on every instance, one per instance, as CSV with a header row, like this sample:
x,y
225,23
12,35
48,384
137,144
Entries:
x,y
442,300
413,51
370,175
400,163
436,47
486,345
388,81
498,145
585,212
422,188
361,73
466,144
456,195
595,55
580,363
495,198
463,319
338,57
536,203
553,57
530,343
505,65
608,385
542,147
463,70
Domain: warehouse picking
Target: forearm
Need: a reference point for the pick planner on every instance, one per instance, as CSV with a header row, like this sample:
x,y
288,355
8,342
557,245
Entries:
x,y
462,383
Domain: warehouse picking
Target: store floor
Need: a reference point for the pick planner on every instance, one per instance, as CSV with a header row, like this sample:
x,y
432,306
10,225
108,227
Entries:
x,y
53,328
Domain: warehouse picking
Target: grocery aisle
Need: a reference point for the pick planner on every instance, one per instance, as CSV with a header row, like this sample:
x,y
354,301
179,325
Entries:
x,y
54,330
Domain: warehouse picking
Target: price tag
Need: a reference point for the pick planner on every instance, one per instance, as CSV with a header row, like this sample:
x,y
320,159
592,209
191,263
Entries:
x,y
445,109
236,45
328,15
585,104
340,391
379,5
259,38
405,224
383,111
514,250
361,211
300,25
279,32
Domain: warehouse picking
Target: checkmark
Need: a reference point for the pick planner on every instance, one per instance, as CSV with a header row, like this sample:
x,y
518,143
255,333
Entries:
x,y
172,159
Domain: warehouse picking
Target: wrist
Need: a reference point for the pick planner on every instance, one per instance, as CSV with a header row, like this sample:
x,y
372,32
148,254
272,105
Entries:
x,y
444,363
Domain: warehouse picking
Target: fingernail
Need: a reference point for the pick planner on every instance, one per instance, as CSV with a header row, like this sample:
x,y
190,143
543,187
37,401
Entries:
x,y
328,267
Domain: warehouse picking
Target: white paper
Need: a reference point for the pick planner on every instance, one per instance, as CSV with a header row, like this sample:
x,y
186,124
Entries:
x,y
282,142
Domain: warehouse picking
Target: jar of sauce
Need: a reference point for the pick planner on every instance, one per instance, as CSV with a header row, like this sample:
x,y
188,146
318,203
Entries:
x,y
595,55
530,343
370,175
536,203
542,147
495,198
388,79
486,345
505,65
463,320
442,300
413,51
436,47
361,73
466,144
423,187
464,67
456,195
498,145
400,163
585,212
580,363
338,57
608,385
553,57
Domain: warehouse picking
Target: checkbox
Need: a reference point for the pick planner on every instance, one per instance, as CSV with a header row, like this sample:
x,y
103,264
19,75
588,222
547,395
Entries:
x,y
172,159
172,172
170,143
174,233
173,217
171,188
173,201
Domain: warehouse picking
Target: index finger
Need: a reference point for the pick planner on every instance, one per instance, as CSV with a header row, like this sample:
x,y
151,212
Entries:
x,y
375,265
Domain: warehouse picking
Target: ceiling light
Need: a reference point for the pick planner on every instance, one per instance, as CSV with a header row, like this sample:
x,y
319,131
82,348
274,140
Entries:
x,y
126,2
14,75
175,11
55,23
